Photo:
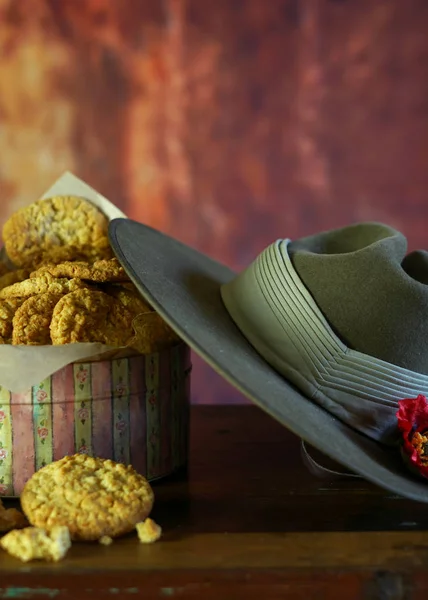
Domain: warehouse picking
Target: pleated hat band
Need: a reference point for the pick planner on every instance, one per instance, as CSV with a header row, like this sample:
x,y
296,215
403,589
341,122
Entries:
x,y
277,314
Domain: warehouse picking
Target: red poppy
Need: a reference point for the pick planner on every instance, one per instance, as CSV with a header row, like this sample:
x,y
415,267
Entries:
x,y
412,418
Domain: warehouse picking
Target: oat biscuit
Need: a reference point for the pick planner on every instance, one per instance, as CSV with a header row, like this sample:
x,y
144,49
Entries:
x,y
152,334
34,543
8,308
91,316
130,298
42,285
13,277
92,497
32,320
148,531
100,271
60,254
34,230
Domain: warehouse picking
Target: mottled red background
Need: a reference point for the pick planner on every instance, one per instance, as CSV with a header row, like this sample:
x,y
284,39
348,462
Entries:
x,y
225,123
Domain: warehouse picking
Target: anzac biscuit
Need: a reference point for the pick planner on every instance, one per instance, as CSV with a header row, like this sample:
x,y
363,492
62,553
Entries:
x,y
34,543
32,320
13,277
91,316
130,298
152,334
60,254
41,285
34,230
100,271
92,497
8,308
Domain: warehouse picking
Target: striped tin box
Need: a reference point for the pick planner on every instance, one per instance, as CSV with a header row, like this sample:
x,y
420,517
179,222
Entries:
x,y
133,410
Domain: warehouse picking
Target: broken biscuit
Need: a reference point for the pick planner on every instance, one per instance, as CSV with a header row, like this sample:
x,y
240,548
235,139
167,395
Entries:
x,y
148,531
33,543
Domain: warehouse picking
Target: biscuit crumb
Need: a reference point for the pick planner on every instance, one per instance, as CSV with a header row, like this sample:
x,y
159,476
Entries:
x,y
105,540
148,531
33,543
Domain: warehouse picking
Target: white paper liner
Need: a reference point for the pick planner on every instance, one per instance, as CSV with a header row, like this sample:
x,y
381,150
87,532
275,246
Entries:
x,y
22,367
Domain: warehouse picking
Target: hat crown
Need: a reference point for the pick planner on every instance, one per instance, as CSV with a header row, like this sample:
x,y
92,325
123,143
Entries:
x,y
373,295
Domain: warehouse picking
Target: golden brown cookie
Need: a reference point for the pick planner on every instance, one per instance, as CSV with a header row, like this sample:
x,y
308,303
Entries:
x,y
91,316
31,322
42,285
92,497
60,254
34,230
100,271
130,298
152,334
34,543
13,277
8,308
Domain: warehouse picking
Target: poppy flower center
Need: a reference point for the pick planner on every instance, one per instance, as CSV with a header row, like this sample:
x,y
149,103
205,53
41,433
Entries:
x,y
419,441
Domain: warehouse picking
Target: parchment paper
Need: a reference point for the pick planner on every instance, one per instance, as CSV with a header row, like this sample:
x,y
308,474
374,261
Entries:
x,y
21,367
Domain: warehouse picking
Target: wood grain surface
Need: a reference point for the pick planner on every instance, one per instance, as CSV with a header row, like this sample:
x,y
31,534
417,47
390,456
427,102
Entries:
x,y
248,521
227,124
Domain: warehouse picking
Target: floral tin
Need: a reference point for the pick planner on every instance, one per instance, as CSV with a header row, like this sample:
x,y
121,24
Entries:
x,y
133,410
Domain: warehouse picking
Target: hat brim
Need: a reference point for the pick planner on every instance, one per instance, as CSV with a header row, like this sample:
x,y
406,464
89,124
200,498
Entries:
x,y
183,286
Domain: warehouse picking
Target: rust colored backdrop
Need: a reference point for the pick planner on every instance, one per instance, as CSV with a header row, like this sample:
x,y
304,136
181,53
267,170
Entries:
x,y
226,123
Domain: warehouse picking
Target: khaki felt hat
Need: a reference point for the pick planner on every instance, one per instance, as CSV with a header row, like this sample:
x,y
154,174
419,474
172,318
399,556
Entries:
x,y
326,333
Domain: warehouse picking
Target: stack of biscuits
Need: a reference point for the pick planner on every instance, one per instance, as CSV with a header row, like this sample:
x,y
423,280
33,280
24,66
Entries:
x,y
60,282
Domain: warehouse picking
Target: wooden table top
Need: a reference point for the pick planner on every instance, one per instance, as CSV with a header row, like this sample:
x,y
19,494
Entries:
x,y
248,520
